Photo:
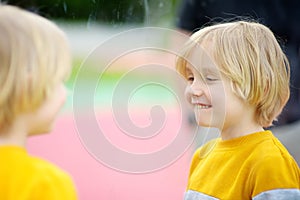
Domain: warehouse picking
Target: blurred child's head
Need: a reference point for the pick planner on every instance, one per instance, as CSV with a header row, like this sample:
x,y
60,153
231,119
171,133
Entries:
x,y
34,58
248,54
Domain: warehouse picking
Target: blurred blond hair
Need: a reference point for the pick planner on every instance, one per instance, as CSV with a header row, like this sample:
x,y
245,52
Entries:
x,y
250,56
34,56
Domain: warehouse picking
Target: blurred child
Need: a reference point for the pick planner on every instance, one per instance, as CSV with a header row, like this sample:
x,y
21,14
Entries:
x,y
238,82
34,61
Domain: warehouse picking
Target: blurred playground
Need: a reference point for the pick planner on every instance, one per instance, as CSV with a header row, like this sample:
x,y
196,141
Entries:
x,y
142,89
97,179
125,132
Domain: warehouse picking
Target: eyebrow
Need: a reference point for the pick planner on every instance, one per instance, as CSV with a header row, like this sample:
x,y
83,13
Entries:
x,y
211,71
203,70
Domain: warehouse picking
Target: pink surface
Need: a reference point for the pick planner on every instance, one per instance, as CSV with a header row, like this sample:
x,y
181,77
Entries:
x,y
97,181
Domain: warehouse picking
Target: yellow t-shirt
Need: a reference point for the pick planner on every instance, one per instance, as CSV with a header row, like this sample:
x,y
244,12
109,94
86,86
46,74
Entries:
x,y
23,177
255,166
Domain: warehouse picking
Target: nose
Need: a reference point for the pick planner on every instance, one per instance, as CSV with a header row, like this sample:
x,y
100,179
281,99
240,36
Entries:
x,y
195,89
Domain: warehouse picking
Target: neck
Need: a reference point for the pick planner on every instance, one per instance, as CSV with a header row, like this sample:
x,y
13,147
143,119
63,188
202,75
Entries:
x,y
241,129
13,135
231,134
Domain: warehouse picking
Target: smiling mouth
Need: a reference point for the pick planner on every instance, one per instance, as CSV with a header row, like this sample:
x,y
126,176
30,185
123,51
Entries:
x,y
202,106
199,105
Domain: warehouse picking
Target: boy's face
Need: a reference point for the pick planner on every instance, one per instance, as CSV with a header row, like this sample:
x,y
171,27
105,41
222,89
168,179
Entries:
x,y
210,93
42,120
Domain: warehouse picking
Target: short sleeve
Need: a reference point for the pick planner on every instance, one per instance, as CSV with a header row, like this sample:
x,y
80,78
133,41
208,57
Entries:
x,y
273,175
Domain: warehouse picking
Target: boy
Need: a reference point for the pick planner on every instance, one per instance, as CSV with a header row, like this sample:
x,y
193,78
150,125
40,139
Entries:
x,y
238,82
34,61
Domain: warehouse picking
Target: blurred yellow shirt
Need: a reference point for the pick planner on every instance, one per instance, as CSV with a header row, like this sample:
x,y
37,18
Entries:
x,y
23,177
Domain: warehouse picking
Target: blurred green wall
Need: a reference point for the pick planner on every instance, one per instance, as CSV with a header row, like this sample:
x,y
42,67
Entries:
x,y
109,11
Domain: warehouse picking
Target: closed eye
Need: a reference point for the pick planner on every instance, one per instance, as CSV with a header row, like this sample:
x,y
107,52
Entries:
x,y
211,78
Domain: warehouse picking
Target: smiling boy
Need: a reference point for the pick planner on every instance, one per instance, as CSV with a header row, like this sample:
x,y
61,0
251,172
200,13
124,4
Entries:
x,y
238,82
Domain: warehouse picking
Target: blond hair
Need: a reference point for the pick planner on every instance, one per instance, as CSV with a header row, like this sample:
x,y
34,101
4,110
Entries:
x,y
251,57
34,56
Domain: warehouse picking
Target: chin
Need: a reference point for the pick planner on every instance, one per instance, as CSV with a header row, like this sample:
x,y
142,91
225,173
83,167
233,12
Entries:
x,y
39,133
201,122
41,130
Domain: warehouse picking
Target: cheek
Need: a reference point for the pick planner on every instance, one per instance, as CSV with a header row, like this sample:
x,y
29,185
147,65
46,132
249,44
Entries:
x,y
219,100
187,94
57,100
63,95
61,92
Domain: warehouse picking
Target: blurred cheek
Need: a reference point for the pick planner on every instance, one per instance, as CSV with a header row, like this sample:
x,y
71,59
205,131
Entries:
x,y
60,94
63,94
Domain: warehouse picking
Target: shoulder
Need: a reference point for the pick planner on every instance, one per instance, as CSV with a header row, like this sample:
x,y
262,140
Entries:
x,y
274,151
33,177
273,168
276,165
270,155
269,148
54,183
48,171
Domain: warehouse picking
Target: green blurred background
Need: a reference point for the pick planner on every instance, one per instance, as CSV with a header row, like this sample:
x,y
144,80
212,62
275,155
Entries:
x,y
103,11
